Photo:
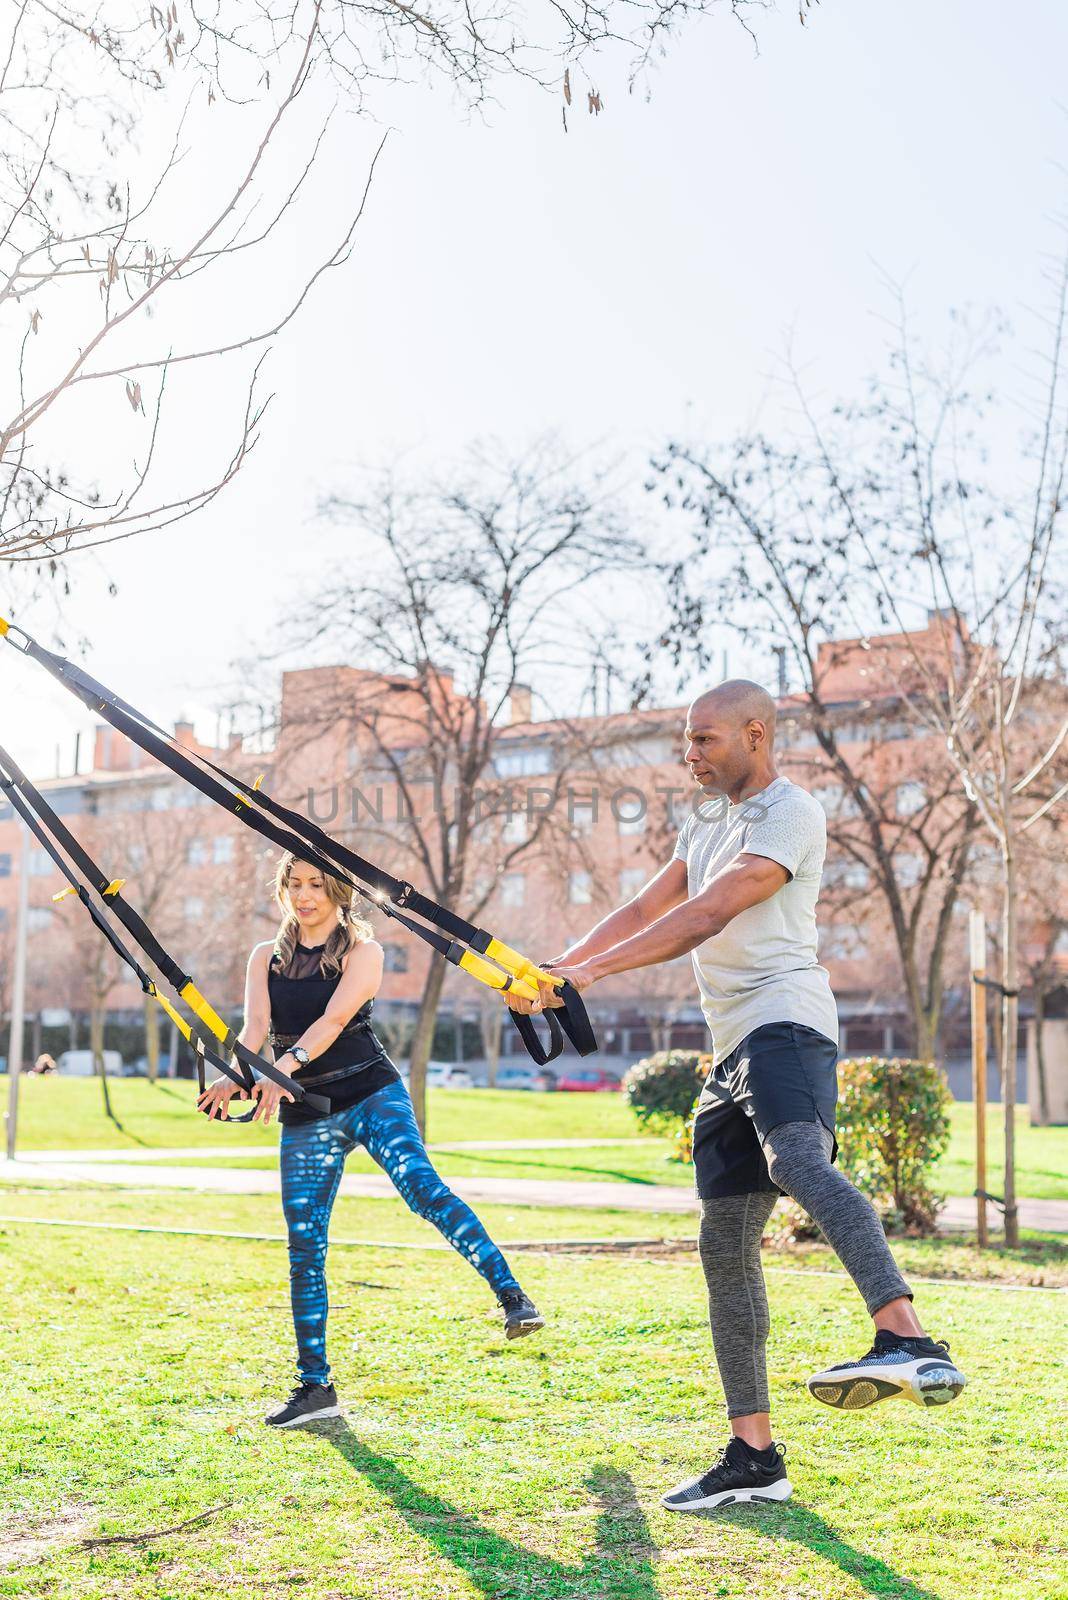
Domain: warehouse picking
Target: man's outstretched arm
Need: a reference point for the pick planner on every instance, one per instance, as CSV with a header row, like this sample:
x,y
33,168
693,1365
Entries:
x,y
660,895
747,881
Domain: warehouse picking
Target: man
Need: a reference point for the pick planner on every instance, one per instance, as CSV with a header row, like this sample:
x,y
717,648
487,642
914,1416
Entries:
x,y
740,894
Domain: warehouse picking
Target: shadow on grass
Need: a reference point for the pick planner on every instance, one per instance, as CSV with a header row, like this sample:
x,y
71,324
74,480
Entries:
x,y
620,1566
795,1524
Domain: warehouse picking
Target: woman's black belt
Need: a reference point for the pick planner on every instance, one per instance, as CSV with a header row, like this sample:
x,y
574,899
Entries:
x,y
301,1077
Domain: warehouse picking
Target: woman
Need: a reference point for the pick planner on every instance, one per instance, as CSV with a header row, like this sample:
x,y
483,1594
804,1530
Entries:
x,y
312,991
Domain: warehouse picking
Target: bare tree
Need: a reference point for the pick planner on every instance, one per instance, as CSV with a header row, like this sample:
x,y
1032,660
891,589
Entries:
x,y
83,263
459,594
765,560
893,500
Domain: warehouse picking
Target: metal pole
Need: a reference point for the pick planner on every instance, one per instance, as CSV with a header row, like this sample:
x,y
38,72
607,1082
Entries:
x,y
977,952
18,998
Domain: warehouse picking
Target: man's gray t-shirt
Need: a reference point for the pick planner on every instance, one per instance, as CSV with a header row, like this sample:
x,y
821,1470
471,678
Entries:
x,y
763,967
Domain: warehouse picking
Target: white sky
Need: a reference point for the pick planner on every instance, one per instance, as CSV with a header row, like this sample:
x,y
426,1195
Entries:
x,y
631,279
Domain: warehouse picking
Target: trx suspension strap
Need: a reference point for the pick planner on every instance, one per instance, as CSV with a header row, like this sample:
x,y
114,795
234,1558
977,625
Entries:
x,y
207,1033
459,941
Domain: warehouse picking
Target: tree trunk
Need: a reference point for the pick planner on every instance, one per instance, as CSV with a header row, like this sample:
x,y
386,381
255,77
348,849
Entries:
x,y
96,1045
172,1069
491,1019
423,1038
1040,1049
151,1038
1010,1010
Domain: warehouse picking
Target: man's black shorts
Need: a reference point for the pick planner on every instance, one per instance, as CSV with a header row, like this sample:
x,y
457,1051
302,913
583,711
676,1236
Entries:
x,y
782,1072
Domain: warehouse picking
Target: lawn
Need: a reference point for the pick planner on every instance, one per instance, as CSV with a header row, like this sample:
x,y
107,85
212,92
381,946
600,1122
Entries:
x,y
67,1114
138,1368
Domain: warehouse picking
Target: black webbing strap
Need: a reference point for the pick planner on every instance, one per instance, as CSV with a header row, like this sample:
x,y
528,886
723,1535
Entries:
x,y
27,800
305,839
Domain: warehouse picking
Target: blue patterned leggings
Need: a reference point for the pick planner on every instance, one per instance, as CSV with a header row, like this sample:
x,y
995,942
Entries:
x,y
312,1160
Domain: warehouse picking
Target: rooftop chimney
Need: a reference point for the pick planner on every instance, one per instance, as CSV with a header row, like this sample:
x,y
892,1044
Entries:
x,y
183,733
519,703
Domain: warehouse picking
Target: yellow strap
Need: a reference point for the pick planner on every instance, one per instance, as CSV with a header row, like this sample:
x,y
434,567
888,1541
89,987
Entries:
x,y
518,965
494,978
259,780
4,626
115,885
196,1002
176,1017
62,895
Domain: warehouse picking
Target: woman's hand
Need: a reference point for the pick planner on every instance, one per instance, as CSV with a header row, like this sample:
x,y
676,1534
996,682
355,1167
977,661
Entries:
x,y
215,1101
267,1096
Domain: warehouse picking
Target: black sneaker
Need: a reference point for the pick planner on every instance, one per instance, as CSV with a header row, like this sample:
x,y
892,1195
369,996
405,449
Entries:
x,y
521,1315
307,1402
917,1368
740,1475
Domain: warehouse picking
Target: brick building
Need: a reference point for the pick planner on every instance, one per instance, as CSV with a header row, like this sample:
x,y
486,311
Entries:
x,y
576,814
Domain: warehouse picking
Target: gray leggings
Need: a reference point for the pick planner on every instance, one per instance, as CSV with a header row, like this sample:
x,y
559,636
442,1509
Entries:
x,y
798,1157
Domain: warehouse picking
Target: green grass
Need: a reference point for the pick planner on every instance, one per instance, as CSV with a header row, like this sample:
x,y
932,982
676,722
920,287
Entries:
x,y
68,1114
1041,1156
137,1370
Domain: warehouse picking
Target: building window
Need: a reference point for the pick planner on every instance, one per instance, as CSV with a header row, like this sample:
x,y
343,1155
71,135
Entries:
x,y
845,942
836,801
160,800
196,852
396,957
582,818
193,908
580,889
846,875
908,870
38,918
515,829
631,881
40,863
135,857
522,763
632,825
911,797
513,889
222,849
5,863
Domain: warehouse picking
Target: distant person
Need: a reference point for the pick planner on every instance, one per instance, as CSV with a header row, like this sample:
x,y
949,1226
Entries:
x,y
312,988
739,894
43,1064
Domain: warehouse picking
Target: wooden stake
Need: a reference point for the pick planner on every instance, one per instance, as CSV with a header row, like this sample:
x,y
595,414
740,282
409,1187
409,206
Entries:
x,y
977,952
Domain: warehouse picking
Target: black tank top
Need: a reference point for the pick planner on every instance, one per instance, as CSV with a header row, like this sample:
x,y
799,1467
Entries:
x,y
355,1065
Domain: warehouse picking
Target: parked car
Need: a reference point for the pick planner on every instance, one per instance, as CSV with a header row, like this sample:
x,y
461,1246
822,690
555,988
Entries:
x,y
442,1075
79,1063
139,1068
538,1079
586,1080
447,1075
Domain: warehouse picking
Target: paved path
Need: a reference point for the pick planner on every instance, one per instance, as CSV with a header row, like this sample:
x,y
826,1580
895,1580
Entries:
x,y
100,1167
206,1152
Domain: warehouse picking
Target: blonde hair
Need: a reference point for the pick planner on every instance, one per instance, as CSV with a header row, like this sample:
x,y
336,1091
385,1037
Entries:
x,y
351,927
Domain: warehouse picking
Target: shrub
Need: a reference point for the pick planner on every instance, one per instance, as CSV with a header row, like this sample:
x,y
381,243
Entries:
x,y
661,1091
893,1125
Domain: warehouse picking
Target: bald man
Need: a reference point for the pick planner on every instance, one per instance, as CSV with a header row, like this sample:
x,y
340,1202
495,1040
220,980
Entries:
x,y
739,895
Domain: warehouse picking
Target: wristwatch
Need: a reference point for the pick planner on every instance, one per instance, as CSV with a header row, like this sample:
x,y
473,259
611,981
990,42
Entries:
x,y
299,1054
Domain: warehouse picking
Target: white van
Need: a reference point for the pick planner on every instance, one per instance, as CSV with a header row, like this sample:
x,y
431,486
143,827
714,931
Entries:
x,y
79,1063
